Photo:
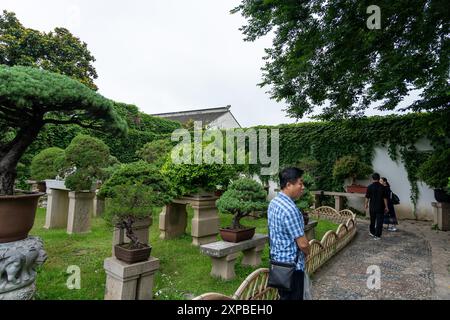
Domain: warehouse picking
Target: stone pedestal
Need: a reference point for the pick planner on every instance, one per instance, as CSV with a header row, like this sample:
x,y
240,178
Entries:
x,y
81,206
130,281
338,203
224,267
57,209
224,254
99,206
18,263
173,220
310,230
140,228
205,223
252,257
441,212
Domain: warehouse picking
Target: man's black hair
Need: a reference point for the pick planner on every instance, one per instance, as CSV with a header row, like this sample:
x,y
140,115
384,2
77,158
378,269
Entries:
x,y
289,175
376,176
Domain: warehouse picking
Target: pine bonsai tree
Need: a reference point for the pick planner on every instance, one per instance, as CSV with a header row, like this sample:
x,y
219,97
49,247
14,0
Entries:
x,y
242,197
31,98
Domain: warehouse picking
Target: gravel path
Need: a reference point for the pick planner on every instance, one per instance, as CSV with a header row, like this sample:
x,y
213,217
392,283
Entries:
x,y
404,259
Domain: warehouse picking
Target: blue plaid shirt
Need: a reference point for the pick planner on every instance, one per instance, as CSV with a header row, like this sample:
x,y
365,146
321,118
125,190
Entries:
x,y
285,225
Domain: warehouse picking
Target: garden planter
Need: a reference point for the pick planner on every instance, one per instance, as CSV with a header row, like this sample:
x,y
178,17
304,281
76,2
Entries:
x,y
237,235
441,196
140,229
17,214
356,188
125,254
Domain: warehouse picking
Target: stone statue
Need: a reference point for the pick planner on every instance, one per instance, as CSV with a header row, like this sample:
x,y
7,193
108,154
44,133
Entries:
x,y
18,262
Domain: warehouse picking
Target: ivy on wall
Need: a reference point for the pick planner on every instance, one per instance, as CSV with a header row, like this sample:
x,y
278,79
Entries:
x,y
328,141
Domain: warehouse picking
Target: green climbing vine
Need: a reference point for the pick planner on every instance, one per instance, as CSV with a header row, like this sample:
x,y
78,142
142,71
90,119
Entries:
x,y
326,142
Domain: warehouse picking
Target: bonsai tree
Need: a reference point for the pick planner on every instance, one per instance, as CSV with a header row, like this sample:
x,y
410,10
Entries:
x,y
85,157
139,172
155,152
134,201
45,165
243,196
434,171
31,98
194,178
305,202
350,167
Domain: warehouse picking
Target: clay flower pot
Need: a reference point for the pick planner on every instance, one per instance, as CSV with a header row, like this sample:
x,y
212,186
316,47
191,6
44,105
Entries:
x,y
237,235
124,253
17,214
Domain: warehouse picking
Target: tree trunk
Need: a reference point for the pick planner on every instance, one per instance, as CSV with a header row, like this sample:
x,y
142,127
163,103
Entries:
x,y
11,153
128,224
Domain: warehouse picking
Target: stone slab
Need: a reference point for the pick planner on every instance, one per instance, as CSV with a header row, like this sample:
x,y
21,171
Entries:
x,y
220,249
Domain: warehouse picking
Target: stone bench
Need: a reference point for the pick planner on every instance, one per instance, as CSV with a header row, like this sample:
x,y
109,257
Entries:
x,y
224,254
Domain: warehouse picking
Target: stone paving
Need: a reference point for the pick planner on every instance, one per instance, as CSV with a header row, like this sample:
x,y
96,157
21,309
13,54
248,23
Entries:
x,y
414,264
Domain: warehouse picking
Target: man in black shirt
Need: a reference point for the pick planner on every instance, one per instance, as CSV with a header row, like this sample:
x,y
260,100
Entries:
x,y
376,201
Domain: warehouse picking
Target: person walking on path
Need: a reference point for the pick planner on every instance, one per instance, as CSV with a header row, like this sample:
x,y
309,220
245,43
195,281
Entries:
x,y
390,218
288,243
376,201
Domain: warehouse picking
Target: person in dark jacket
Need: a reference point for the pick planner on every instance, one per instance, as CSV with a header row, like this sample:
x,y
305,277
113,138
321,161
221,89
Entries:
x,y
390,218
376,201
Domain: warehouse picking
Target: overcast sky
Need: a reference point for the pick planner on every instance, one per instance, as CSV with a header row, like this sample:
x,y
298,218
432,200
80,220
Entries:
x,y
165,55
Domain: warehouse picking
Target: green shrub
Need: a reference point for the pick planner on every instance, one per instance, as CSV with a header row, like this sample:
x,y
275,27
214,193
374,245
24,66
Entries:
x,y
351,167
85,158
243,196
435,171
305,202
132,202
155,152
135,173
45,164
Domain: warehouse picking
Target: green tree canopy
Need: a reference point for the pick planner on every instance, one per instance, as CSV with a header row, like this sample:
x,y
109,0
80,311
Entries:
x,y
45,163
324,52
31,98
57,51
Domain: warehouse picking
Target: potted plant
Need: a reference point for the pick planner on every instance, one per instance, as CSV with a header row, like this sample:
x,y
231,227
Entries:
x,y
32,98
351,167
130,203
199,179
434,172
44,166
242,197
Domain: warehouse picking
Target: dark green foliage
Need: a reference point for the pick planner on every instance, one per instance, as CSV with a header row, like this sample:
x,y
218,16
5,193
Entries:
x,y
322,51
328,141
85,158
31,98
435,171
242,197
155,152
44,165
57,51
134,173
133,201
305,202
351,167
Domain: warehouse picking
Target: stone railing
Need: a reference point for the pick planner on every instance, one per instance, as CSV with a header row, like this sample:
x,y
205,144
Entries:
x,y
255,287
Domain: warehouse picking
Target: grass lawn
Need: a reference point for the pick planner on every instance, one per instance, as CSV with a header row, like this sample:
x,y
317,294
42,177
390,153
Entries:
x,y
183,274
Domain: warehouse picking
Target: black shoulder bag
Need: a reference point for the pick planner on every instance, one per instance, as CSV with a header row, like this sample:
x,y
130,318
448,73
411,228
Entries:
x,y
280,273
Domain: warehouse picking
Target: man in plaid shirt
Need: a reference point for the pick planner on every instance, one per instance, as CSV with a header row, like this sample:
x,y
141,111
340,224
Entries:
x,y
288,242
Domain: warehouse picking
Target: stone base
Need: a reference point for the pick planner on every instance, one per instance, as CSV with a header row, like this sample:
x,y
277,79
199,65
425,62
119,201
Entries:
x,y
173,220
81,207
310,230
18,263
57,209
130,281
205,223
252,257
441,212
99,206
224,267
